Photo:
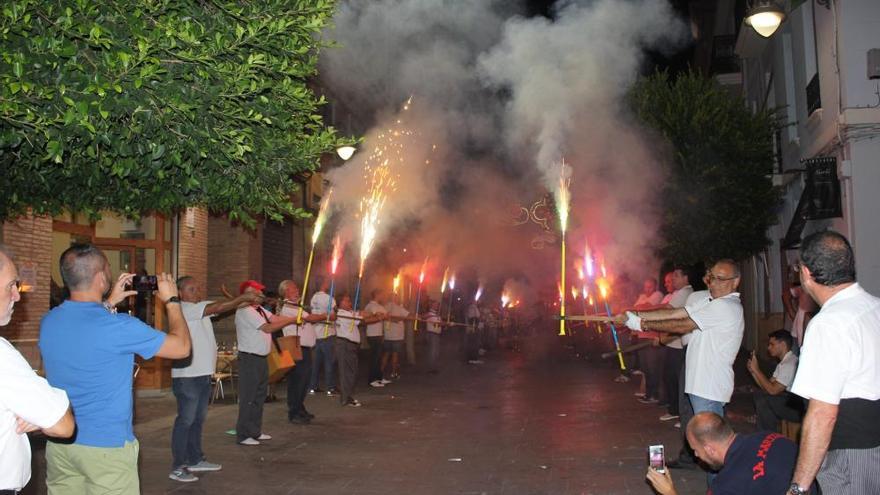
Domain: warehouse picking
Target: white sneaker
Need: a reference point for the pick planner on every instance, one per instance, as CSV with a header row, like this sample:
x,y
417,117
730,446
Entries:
x,y
264,436
377,384
204,466
621,379
667,417
385,382
640,395
637,372
677,424
249,441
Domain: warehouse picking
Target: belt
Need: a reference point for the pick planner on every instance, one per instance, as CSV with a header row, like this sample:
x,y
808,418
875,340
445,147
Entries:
x,y
249,354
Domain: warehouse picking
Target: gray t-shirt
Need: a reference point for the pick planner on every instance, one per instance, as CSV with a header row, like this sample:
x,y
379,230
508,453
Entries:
x,y
203,359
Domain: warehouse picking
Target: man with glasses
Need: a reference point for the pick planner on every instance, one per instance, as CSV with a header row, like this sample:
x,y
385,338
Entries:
x,y
714,318
27,402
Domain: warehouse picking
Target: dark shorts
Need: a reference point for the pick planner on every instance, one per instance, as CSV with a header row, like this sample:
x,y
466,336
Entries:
x,y
392,345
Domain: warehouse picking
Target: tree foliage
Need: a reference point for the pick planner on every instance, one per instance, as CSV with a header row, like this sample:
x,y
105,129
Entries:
x,y
153,105
718,199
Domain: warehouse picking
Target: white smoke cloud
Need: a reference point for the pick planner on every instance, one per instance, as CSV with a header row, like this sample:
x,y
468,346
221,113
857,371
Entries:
x,y
503,98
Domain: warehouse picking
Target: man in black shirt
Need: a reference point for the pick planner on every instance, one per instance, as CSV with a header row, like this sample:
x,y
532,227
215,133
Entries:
x,y
758,463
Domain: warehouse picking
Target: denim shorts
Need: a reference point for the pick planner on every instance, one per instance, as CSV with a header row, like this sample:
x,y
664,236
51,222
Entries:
x,y
392,345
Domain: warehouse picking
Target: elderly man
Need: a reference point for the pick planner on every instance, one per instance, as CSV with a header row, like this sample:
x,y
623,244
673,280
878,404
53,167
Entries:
x,y
773,402
839,372
755,464
253,329
88,350
27,402
191,378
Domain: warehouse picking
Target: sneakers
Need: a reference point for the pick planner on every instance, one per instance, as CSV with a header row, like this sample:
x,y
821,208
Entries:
x,y
249,441
183,476
384,381
621,379
377,384
637,372
677,425
640,395
313,391
395,376
299,419
667,417
204,466
332,392
264,436
352,403
648,400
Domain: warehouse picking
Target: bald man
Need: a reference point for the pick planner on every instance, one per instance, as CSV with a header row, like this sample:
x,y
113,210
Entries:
x,y
27,402
758,464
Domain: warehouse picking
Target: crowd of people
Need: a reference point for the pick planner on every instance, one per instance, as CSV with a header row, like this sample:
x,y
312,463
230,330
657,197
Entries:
x,y
827,376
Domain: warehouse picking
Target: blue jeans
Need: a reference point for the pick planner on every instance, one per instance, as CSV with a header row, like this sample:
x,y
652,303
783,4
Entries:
x,y
701,404
706,405
324,356
192,407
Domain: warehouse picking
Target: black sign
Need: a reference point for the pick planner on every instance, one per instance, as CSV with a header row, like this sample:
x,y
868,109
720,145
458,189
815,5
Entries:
x,y
823,188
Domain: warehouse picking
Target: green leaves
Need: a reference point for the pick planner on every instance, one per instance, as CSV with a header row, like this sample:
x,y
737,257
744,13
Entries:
x,y
135,106
719,197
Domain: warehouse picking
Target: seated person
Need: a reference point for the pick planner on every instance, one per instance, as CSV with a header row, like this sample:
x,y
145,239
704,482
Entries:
x,y
755,464
774,402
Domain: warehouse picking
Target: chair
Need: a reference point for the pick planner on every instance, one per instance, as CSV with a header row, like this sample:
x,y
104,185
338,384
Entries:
x,y
224,371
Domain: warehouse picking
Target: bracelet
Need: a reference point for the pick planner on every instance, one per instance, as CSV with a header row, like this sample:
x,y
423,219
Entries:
x,y
109,307
173,300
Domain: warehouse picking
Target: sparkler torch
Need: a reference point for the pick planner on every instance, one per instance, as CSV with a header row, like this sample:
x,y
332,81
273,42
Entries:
x,y
443,291
419,295
451,295
603,289
563,200
334,263
381,182
316,233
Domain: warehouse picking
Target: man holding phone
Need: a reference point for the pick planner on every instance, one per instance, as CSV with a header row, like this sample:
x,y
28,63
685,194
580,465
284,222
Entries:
x,y
758,464
88,350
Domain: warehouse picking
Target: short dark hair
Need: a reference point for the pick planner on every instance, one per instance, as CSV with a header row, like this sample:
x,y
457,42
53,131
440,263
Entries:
x,y
783,336
79,264
183,281
829,257
709,427
685,270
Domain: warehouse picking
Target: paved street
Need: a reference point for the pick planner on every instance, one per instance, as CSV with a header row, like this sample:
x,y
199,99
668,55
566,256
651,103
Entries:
x,y
537,421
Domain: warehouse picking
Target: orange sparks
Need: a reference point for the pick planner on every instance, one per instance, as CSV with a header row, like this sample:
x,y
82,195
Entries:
x,y
445,279
422,273
395,283
337,253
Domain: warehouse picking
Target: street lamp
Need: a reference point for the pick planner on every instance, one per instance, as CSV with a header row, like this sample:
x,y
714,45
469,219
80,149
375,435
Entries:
x,y
345,152
765,16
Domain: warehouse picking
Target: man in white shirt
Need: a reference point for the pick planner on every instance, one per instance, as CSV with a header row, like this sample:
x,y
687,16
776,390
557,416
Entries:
x,y
299,377
27,401
839,372
773,402
716,319
394,337
325,332
650,359
376,312
253,329
434,325
191,378
673,348
348,341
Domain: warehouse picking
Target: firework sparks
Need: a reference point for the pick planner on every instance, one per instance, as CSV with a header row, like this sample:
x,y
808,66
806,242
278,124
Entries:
x,y
563,203
321,219
395,284
478,294
588,260
445,280
505,300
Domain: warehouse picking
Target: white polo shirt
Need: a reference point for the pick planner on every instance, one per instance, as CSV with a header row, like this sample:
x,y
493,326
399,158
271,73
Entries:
x,y
251,339
839,359
203,359
320,302
714,346
678,299
25,395
786,369
347,328
305,331
433,322
395,329
375,329
700,297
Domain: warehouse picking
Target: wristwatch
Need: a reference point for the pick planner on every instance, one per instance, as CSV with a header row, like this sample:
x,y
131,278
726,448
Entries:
x,y
173,299
795,489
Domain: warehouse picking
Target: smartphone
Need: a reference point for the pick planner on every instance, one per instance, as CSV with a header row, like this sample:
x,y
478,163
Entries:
x,y
145,283
657,458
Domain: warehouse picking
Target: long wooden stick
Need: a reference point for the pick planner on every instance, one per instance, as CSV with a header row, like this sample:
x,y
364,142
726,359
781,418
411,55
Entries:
x,y
598,318
626,350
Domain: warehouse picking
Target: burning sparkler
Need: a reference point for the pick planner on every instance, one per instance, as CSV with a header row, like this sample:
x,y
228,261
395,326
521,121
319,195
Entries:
x,y
603,290
334,263
443,290
451,295
395,284
478,294
316,233
419,294
563,203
